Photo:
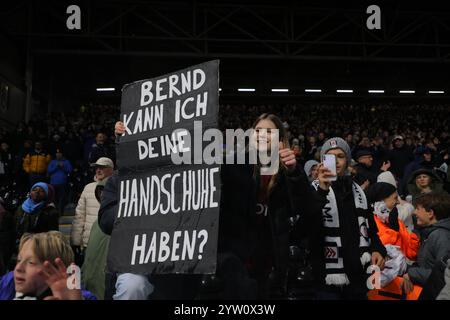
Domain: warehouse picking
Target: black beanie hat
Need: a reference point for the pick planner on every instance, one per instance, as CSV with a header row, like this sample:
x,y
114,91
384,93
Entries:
x,y
380,191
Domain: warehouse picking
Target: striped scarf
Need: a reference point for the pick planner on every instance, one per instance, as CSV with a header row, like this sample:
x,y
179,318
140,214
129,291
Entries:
x,y
334,262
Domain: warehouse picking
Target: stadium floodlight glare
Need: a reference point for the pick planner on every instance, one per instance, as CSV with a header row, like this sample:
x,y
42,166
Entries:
x,y
313,90
436,91
280,90
220,89
344,91
376,91
407,91
246,90
105,89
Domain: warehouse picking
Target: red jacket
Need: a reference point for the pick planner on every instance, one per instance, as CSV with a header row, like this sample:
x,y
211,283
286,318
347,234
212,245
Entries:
x,y
408,242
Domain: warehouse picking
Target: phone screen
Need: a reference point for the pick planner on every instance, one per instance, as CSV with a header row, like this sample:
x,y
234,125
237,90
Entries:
x,y
329,162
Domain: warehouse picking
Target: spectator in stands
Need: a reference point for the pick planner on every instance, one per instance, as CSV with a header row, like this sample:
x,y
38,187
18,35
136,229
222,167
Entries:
x,y
404,208
298,152
399,157
40,272
365,170
424,181
433,215
99,148
35,164
55,144
321,138
254,225
87,208
58,170
38,212
423,159
94,266
342,231
311,148
311,171
391,230
379,152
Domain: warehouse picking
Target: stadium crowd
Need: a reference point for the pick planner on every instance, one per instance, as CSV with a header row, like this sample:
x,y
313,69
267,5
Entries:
x,y
392,167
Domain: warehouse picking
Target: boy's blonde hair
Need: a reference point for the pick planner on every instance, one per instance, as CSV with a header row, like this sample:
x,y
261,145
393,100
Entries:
x,y
49,246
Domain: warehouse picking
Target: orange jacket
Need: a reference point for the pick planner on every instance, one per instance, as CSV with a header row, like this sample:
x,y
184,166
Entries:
x,y
394,291
408,242
36,163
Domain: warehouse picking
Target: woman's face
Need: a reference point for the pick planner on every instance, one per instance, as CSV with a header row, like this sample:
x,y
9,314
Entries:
x,y
263,134
391,201
27,278
37,194
423,181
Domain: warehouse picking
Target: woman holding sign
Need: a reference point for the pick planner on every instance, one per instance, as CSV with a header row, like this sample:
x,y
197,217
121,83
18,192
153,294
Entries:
x,y
256,204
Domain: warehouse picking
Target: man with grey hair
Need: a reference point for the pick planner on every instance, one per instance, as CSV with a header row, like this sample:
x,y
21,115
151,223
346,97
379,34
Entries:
x,y
88,206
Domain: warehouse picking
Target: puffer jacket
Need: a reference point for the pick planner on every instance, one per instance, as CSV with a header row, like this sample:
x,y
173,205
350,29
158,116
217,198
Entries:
x,y
85,216
35,162
435,244
408,242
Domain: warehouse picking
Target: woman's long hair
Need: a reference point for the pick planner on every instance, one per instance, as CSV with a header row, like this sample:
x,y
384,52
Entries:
x,y
282,138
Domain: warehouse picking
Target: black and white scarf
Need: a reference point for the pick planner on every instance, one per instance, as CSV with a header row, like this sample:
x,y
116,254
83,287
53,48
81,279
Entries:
x,y
334,262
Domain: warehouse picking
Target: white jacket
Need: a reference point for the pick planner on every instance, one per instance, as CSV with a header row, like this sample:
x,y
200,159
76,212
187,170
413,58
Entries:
x,y
86,214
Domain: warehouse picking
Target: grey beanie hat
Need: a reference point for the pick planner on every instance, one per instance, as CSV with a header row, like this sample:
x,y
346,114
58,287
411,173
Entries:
x,y
308,166
337,143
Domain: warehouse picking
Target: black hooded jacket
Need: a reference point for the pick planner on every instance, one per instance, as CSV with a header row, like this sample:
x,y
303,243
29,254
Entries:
x,y
400,158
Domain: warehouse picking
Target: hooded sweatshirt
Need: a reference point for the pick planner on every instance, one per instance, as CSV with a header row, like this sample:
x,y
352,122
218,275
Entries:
x,y
435,244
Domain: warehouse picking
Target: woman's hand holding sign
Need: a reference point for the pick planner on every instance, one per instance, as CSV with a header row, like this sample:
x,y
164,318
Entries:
x,y
119,128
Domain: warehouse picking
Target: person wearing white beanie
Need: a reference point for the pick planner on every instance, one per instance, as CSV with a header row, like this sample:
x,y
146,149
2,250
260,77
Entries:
x,y
311,169
404,208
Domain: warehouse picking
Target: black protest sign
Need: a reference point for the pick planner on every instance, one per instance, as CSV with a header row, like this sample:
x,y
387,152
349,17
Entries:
x,y
168,215
151,110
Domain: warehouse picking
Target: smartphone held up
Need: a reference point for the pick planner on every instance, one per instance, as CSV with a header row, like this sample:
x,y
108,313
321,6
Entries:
x,y
329,162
